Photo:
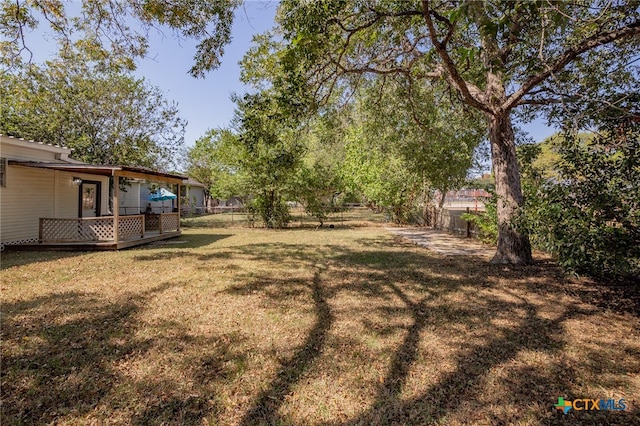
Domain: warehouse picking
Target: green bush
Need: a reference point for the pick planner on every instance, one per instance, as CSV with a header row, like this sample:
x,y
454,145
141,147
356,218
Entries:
x,y
487,222
271,208
589,214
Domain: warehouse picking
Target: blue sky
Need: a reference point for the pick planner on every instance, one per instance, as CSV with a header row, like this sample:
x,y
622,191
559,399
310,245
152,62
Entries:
x,y
205,103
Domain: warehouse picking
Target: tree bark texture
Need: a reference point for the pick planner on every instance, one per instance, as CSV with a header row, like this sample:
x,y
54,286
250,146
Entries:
x,y
513,246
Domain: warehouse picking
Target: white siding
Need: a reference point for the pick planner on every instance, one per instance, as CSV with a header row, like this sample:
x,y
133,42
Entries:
x,y
156,206
199,195
28,196
15,149
33,193
195,198
67,194
129,201
66,198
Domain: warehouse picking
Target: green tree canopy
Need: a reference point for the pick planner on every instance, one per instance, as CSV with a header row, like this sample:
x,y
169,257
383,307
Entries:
x,y
405,143
587,212
495,56
107,117
269,152
214,160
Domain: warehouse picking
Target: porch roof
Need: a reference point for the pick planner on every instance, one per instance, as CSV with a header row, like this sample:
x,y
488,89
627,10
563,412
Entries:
x,y
106,170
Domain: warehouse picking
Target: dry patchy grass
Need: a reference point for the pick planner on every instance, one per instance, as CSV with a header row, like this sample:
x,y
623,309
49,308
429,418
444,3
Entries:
x,y
344,326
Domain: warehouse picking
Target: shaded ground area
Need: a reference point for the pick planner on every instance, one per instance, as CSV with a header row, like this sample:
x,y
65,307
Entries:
x,y
350,326
444,243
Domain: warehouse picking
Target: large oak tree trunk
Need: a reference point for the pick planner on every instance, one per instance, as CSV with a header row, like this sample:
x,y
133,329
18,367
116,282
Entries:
x,y
513,246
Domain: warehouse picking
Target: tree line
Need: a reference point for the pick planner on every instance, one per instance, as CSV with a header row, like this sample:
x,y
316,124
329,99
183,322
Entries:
x,y
368,150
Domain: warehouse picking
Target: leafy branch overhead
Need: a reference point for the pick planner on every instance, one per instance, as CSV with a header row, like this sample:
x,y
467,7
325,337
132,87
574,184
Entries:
x,y
116,31
459,42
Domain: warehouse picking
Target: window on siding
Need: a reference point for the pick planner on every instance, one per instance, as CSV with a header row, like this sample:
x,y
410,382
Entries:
x,y
3,172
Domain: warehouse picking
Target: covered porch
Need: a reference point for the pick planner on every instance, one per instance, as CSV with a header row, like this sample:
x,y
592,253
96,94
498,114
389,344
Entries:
x,y
111,230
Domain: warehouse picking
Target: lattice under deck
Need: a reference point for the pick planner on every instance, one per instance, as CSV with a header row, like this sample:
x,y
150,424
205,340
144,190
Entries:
x,y
90,229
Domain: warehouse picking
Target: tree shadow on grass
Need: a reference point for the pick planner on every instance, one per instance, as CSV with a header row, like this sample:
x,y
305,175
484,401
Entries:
x,y
66,358
420,282
61,347
214,361
15,258
176,247
77,348
264,410
535,333
185,241
464,384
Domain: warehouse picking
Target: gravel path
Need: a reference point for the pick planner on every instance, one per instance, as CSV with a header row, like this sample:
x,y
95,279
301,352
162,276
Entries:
x,y
444,243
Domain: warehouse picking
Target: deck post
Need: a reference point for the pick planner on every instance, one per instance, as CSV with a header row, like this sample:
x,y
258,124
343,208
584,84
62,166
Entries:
x,y
116,206
468,225
179,206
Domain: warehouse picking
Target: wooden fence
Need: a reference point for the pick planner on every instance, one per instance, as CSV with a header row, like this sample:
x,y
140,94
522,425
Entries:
x,y
451,221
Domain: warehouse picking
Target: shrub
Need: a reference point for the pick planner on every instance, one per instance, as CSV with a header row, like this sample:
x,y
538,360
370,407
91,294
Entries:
x,y
487,222
271,208
589,215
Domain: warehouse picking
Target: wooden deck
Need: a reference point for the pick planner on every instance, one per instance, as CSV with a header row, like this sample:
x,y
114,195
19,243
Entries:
x,y
102,233
149,237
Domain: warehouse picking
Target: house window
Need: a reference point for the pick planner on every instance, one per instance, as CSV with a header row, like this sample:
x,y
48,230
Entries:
x,y
3,172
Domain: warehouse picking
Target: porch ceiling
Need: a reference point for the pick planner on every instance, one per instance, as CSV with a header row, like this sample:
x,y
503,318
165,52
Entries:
x,y
106,170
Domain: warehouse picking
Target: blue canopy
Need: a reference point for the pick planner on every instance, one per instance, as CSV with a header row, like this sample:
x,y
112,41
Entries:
x,y
161,195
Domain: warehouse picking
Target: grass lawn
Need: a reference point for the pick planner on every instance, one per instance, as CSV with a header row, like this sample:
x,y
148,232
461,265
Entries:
x,y
234,325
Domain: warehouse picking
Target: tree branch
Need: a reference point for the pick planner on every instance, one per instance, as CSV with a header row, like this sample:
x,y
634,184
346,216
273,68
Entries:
x,y
569,56
546,101
512,37
455,79
414,113
20,34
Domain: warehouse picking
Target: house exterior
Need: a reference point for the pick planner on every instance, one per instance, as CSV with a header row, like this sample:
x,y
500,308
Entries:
x,y
134,198
49,200
130,202
146,188
196,199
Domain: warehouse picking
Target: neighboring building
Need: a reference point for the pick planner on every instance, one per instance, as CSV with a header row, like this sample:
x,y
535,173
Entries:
x,y
196,199
50,200
234,201
231,204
